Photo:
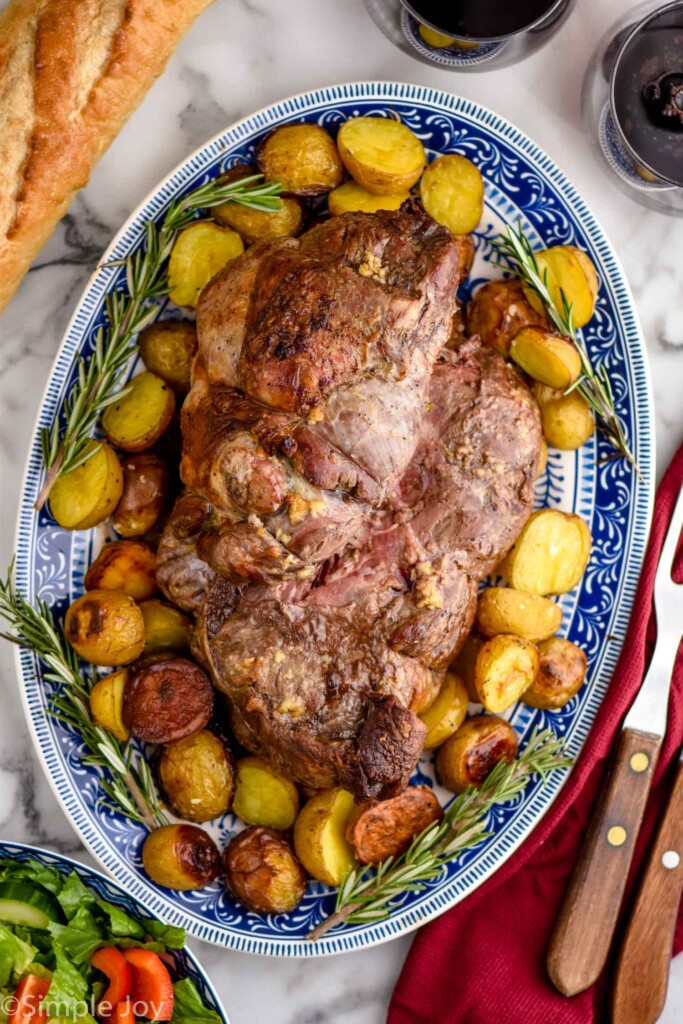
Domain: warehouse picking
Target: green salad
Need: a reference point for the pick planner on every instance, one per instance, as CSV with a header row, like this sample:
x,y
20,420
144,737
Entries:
x,y
67,955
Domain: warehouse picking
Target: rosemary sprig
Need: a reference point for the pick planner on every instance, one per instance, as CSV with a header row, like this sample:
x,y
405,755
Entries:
x,y
128,782
129,310
594,385
371,894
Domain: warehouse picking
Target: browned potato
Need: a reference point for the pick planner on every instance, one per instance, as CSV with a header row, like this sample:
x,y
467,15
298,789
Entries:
x,y
262,872
551,553
543,458
351,196
570,272
263,796
141,415
165,701
167,349
499,311
181,857
547,356
466,662
320,836
85,496
255,225
386,828
447,712
452,192
105,627
145,485
302,157
199,253
106,701
125,565
426,692
197,777
567,420
166,628
471,754
506,667
561,672
503,610
381,154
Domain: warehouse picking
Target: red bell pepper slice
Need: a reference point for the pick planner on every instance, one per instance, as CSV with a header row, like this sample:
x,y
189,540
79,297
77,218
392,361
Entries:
x,y
152,985
123,1012
111,962
30,993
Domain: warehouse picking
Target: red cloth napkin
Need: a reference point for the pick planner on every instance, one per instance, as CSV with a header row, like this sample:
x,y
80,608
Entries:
x,y
484,961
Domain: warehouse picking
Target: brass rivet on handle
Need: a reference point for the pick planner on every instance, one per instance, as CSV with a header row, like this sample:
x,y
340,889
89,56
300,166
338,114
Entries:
x,y
616,835
640,762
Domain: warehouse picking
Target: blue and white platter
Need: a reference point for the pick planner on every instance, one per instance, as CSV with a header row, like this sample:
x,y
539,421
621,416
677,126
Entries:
x,y
522,183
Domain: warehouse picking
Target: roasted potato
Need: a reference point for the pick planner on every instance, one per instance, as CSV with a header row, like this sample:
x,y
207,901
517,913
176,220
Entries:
x,y
262,872
471,754
567,420
320,836
181,857
302,158
351,196
197,777
561,672
570,272
452,192
426,692
263,796
167,700
166,628
542,459
433,38
381,154
503,610
198,254
464,665
551,553
167,349
386,828
106,701
105,627
85,496
125,565
546,356
255,225
506,667
498,311
447,712
141,415
145,486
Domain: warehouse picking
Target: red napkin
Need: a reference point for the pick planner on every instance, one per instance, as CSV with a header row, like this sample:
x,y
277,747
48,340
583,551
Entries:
x,y
484,961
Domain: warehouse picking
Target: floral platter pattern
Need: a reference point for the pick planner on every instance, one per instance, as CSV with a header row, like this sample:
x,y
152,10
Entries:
x,y
521,183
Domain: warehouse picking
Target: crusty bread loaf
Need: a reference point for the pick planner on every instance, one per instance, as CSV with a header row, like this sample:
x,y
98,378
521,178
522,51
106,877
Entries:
x,y
71,73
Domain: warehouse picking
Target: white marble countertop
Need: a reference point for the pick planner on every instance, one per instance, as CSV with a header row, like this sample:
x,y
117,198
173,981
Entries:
x,y
241,55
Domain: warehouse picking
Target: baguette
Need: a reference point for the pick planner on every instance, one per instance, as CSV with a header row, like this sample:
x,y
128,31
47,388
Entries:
x,y
71,73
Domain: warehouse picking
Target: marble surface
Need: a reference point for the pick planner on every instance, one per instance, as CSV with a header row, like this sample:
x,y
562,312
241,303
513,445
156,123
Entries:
x,y
241,55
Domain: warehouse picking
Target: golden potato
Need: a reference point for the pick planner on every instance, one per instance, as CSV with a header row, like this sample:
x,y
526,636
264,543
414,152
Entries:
x,y
561,672
464,665
567,420
547,356
255,225
140,416
199,253
570,272
302,158
498,311
145,486
106,699
85,496
263,796
197,777
433,38
181,857
125,565
447,712
167,349
351,197
166,628
506,667
426,691
471,754
105,627
542,459
551,553
381,154
262,872
320,836
503,610
386,828
452,192
166,700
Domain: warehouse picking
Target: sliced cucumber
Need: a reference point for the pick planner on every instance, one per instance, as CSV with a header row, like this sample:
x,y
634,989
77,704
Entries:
x,y
28,904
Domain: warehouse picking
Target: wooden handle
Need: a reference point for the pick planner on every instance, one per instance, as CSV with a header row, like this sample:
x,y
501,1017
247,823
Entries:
x,y
643,968
583,934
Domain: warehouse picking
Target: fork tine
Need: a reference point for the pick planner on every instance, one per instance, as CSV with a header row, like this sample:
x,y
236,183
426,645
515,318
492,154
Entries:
x,y
666,560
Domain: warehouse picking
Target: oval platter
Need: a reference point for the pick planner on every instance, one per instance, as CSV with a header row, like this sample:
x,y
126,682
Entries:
x,y
523,184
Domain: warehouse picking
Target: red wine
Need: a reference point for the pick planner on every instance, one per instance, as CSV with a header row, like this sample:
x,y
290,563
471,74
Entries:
x,y
481,19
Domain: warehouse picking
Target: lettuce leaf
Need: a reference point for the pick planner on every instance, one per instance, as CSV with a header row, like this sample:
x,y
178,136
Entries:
x,y
188,1006
15,956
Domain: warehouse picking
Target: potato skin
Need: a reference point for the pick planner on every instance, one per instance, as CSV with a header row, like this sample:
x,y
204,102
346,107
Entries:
x,y
106,701
197,777
561,672
140,416
262,871
145,486
180,857
256,225
105,627
167,349
471,754
503,610
263,796
547,356
506,667
166,627
320,836
302,158
447,712
125,565
386,828
567,420
167,700
571,271
498,311
551,553
86,495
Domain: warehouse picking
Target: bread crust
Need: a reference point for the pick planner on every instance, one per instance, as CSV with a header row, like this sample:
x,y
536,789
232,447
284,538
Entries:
x,y
71,74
